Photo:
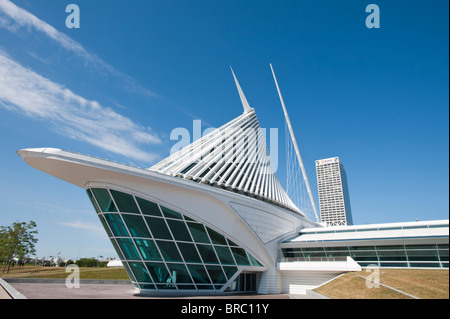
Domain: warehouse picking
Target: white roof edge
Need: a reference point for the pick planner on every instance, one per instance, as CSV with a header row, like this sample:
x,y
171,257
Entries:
x,y
57,152
68,156
379,225
393,231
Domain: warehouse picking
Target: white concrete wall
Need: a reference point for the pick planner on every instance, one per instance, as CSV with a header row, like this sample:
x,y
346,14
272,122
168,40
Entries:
x,y
297,282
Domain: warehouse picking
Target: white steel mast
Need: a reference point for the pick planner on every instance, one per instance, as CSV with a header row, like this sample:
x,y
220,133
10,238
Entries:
x,y
296,147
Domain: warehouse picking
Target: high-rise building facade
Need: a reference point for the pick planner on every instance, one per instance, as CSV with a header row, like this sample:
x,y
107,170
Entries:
x,y
334,200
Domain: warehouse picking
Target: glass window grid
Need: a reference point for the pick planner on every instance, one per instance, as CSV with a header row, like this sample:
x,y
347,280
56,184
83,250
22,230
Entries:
x,y
411,256
227,243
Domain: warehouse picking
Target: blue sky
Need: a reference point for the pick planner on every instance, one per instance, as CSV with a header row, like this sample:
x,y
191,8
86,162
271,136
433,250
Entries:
x,y
135,70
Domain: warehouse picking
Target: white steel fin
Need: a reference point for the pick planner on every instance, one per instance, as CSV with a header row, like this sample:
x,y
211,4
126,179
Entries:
x,y
232,157
244,101
297,151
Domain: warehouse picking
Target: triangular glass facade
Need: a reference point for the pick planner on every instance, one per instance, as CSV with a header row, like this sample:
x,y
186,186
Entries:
x,y
164,249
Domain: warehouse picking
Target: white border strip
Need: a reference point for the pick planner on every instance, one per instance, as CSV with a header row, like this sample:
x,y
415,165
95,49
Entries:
x,y
11,290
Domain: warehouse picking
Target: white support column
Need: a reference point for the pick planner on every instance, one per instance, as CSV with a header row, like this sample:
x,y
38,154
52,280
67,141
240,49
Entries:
x,y
270,282
297,151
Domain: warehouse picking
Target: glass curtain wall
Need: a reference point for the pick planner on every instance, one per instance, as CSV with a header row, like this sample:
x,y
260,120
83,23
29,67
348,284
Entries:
x,y
163,249
414,256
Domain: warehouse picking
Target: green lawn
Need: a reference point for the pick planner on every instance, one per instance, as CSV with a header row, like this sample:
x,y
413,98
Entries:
x,y
421,283
31,271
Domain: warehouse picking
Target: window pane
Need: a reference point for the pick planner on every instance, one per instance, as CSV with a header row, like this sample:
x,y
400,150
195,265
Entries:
x,y
313,249
117,249
158,272
397,247
369,264
216,274
292,252
253,261
224,255
420,247
189,252
139,271
208,254
190,219
148,208
104,200
158,228
199,274
422,255
105,225
335,248
240,256
179,273
443,254
332,254
231,243
392,255
136,225
230,271
364,256
125,202
362,248
128,249
91,197
315,255
128,270
179,230
116,224
216,238
148,249
170,213
168,250
393,264
198,233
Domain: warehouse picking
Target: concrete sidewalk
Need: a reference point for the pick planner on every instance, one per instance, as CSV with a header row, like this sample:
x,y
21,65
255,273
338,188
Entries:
x,y
58,290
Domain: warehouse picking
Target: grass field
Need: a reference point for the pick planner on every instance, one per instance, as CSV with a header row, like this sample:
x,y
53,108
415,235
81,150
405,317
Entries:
x,y
421,283
31,271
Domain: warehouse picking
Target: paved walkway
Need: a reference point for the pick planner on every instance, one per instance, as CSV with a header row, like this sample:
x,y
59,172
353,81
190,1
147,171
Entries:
x,y
115,291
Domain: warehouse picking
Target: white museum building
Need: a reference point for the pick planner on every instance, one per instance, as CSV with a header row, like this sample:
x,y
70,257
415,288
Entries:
x,y
213,218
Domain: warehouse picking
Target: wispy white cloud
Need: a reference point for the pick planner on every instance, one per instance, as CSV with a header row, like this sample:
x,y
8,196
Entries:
x,y
95,229
54,209
15,19
72,115
21,18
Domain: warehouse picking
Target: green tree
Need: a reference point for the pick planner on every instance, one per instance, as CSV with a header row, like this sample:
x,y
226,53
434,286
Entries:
x,y
86,262
17,241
